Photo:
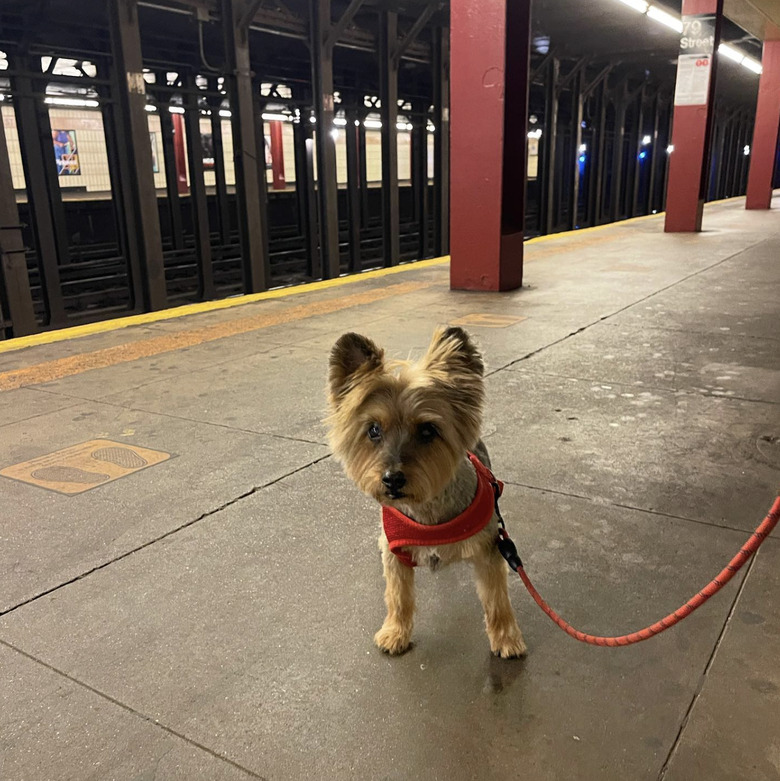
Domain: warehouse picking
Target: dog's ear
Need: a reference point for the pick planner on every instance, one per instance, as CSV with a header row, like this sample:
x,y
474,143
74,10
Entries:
x,y
352,357
453,352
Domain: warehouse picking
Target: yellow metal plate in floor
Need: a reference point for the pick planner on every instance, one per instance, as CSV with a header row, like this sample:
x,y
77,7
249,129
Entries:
x,y
488,320
82,467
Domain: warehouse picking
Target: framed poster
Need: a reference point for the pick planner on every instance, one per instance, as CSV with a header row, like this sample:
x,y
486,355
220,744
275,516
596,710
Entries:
x,y
66,152
269,163
153,142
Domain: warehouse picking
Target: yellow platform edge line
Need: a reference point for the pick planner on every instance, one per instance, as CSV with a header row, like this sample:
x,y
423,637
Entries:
x,y
105,326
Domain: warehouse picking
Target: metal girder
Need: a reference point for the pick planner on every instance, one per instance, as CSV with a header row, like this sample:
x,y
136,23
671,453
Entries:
x,y
327,188
199,203
15,296
410,37
127,60
388,89
335,31
441,140
248,154
354,184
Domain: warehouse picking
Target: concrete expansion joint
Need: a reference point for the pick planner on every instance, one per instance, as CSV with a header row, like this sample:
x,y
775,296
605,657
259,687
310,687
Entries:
x,y
707,667
129,709
171,533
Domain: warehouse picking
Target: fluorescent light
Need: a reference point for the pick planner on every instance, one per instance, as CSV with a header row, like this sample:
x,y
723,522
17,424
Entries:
x,y
673,22
340,121
403,125
670,149
277,118
226,113
372,124
731,53
583,148
537,133
637,5
81,102
176,109
746,150
752,65
313,120
646,140
150,108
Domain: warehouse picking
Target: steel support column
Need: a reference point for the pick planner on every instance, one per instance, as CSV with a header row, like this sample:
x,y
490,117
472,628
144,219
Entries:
x,y
763,150
441,140
127,60
420,176
172,187
43,193
354,185
639,131
490,65
687,182
618,153
655,154
15,298
248,155
303,143
322,82
597,164
548,218
388,94
200,211
220,183
577,106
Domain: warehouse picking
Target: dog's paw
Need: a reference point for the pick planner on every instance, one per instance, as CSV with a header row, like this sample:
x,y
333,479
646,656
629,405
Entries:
x,y
509,646
393,640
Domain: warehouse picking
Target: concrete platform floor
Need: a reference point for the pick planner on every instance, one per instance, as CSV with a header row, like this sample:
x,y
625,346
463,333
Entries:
x,y
211,617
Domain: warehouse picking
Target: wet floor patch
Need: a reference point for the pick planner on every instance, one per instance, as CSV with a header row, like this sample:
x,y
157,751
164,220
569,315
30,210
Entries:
x,y
76,469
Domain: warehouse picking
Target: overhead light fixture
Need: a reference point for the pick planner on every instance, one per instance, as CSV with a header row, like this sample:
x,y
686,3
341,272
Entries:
x,y
226,113
535,133
176,109
646,140
339,121
403,125
583,148
670,149
735,55
752,65
731,53
275,118
80,102
372,124
637,5
659,15
150,108
746,150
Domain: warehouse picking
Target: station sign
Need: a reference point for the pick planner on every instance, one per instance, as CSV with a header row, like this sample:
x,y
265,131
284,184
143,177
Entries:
x,y
694,62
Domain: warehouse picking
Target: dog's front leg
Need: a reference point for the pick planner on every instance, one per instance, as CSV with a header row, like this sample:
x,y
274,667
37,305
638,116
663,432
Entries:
x,y
395,636
506,639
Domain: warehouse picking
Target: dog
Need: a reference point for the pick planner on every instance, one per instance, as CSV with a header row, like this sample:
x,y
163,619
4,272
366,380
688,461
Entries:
x,y
403,433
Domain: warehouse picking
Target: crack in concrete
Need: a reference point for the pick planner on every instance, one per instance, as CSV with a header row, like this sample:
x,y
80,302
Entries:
x,y
161,537
131,710
703,679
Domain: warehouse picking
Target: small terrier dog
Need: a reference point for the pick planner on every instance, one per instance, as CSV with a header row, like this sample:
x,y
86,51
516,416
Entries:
x,y
402,432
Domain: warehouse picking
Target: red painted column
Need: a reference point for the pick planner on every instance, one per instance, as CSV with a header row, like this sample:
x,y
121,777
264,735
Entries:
x,y
765,131
277,155
488,142
692,122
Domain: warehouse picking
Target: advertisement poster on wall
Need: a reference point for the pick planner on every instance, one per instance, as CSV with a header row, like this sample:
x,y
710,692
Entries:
x,y
66,152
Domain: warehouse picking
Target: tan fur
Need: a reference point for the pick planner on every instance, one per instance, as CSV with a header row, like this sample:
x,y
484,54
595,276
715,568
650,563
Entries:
x,y
402,400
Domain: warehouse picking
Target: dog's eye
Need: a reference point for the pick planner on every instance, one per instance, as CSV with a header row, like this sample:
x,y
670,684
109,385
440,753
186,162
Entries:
x,y
374,432
427,432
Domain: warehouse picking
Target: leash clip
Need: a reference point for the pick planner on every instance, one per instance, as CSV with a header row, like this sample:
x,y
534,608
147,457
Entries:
x,y
505,545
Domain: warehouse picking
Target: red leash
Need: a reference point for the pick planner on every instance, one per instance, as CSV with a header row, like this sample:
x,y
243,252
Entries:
x,y
509,552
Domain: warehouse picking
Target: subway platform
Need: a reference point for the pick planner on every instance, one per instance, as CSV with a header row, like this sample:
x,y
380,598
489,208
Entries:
x,y
205,610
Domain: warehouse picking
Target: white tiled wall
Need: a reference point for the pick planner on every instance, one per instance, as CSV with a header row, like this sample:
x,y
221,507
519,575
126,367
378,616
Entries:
x,y
93,160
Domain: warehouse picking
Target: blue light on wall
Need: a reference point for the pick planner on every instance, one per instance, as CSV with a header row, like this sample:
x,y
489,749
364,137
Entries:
x,y
642,155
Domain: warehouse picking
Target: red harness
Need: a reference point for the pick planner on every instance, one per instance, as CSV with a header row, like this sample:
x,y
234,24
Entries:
x,y
401,531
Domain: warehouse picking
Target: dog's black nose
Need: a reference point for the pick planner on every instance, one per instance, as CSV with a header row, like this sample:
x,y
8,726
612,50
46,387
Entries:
x,y
394,481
